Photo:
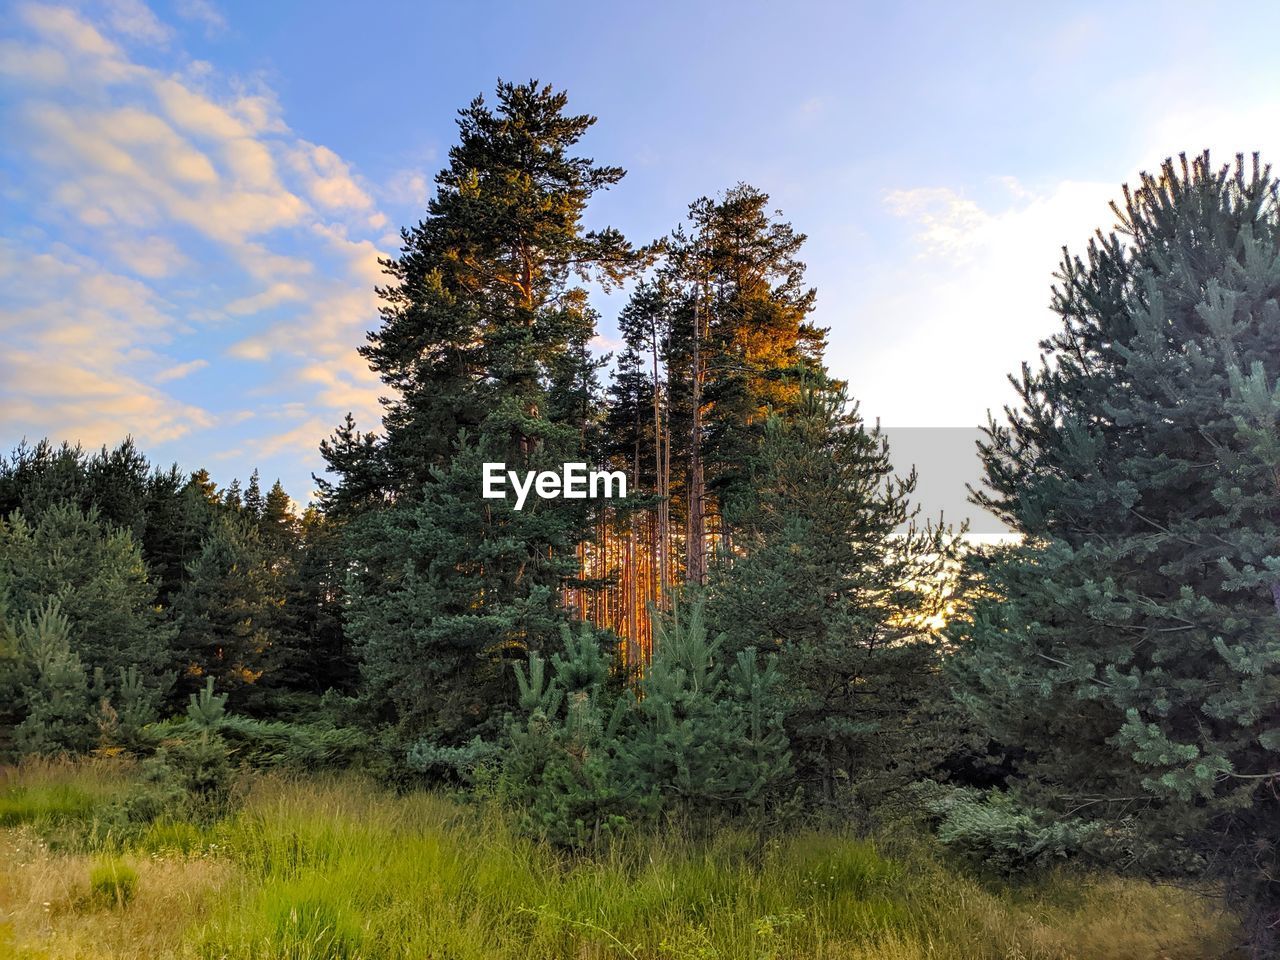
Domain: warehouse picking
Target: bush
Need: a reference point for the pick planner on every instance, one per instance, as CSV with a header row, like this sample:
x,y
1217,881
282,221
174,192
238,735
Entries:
x,y
112,883
995,830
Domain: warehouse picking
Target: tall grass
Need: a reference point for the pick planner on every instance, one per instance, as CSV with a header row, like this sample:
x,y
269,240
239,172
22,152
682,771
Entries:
x,y
339,870
47,792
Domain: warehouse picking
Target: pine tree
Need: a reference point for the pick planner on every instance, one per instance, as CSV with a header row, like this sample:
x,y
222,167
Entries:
x,y
177,519
232,498
835,577
117,483
317,605
1132,641
14,677
36,477
278,522
203,485
480,307
57,703
483,341
97,576
354,459
454,589
253,503
230,613
561,762
704,738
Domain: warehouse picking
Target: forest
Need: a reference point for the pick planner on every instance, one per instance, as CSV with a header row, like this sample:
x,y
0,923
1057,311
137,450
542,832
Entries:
x,y
759,707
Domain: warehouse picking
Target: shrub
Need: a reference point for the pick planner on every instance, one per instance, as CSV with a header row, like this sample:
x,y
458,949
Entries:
x,y
997,831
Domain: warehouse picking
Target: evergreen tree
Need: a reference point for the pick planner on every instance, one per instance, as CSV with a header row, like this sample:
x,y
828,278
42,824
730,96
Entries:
x,y
317,607
98,578
705,738
480,307
278,522
232,498
835,577
253,503
1132,641
14,677
742,264
230,613
453,589
202,484
483,342
354,459
561,763
177,520
57,703
34,478
116,481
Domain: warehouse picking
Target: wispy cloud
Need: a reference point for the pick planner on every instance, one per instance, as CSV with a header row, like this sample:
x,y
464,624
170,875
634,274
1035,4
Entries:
x,y
204,13
187,189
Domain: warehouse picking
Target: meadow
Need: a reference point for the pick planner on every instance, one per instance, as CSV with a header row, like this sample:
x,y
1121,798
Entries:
x,y
294,868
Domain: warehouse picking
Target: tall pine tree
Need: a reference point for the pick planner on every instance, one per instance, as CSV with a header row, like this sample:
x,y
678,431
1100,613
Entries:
x,y
1131,643
483,344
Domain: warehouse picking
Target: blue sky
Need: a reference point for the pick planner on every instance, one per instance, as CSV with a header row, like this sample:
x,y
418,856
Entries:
x,y
194,193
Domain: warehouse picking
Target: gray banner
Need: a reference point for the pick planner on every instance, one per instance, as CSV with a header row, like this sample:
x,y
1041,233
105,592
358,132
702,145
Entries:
x,y
946,460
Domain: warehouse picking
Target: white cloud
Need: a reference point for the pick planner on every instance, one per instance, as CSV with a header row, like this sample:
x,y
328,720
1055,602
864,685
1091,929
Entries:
x,y
972,305
273,296
328,178
79,341
180,370
149,256
134,19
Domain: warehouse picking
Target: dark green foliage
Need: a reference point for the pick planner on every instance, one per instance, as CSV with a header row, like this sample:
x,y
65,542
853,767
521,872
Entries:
x,y
741,262
96,575
56,703
561,764
484,342
844,594
230,613
997,833
303,747
323,660
707,730
453,590
196,762
14,677
1132,642
697,740
165,512
124,717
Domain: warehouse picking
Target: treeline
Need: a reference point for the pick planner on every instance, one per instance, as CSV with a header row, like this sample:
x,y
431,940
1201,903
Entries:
x,y
125,588
748,635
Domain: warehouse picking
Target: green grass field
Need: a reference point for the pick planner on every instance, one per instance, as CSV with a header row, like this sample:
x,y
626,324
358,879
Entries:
x,y
340,870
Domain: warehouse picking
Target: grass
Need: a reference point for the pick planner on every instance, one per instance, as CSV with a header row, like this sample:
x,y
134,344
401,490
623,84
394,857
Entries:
x,y
339,870
47,792
112,882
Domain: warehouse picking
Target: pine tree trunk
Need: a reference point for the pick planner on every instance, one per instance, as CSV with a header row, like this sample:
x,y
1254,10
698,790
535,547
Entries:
x,y
696,570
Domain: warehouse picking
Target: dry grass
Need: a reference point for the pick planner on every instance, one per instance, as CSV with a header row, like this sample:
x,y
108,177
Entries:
x,y
48,913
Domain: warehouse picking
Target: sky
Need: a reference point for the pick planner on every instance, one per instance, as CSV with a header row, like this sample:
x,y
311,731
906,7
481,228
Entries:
x,y
194,194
